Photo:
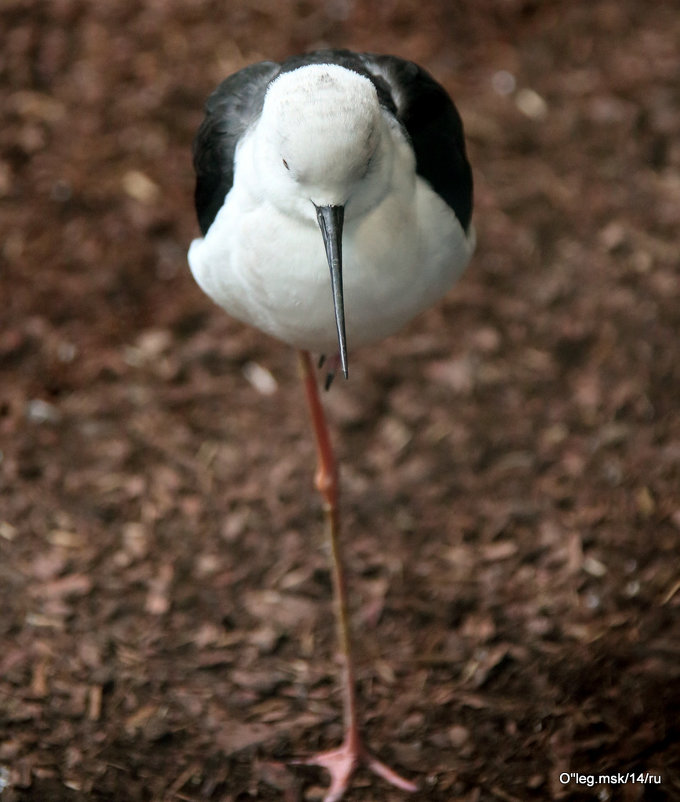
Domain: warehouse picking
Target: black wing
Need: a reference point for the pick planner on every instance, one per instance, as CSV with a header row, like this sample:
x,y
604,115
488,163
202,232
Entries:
x,y
434,127
230,109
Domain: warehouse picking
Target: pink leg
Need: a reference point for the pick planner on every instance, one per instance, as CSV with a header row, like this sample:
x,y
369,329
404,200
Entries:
x,y
343,761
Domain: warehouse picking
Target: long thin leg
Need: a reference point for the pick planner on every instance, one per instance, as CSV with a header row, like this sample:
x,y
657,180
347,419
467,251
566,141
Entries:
x,y
326,481
342,762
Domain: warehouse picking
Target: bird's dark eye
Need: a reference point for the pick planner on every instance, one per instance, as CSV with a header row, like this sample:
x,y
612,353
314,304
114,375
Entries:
x,y
285,164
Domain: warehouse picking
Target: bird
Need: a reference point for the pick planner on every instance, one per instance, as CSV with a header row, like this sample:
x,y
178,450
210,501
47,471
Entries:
x,y
334,198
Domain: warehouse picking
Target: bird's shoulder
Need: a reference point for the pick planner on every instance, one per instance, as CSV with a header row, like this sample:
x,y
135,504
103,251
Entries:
x,y
434,128
229,111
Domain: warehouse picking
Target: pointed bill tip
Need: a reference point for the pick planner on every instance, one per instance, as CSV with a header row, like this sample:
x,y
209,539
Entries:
x,y
343,362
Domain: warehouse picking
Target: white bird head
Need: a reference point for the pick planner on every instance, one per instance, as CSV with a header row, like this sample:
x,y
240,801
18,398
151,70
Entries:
x,y
322,125
320,147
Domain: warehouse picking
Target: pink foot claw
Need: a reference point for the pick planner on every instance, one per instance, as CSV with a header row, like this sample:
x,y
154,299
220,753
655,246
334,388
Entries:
x,y
341,764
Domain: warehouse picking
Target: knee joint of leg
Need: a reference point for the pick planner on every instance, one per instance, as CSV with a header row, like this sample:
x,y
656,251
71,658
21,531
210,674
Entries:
x,y
327,484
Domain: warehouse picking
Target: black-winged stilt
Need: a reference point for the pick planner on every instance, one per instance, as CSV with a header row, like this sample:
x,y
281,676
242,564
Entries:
x,y
368,150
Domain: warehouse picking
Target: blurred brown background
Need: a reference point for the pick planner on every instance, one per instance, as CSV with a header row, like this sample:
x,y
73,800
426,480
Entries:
x,y
511,462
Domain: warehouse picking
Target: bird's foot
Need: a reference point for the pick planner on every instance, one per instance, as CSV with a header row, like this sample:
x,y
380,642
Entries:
x,y
341,763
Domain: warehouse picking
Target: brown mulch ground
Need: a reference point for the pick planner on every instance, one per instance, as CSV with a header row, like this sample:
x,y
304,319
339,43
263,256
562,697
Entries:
x,y
511,462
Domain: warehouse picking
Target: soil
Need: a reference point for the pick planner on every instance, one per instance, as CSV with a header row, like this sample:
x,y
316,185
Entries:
x,y
510,462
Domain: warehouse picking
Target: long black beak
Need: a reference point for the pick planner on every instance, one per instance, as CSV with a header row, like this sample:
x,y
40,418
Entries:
x,y
330,220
